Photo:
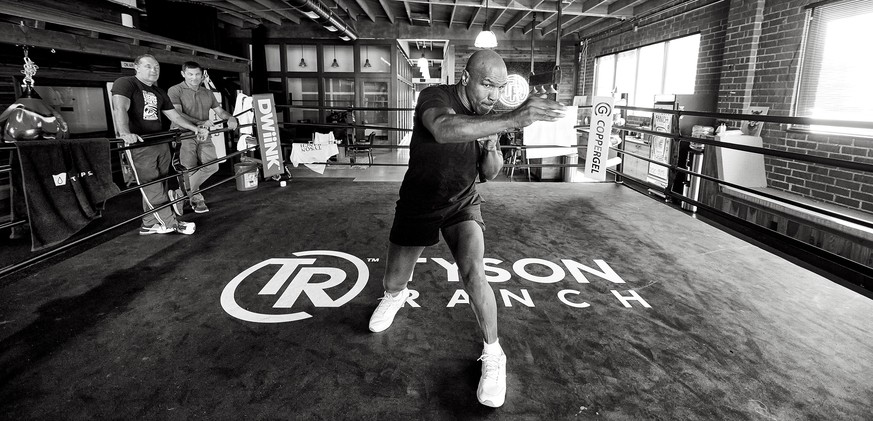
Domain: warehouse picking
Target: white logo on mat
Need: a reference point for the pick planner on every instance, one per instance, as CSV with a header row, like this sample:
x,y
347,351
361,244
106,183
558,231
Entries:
x,y
303,271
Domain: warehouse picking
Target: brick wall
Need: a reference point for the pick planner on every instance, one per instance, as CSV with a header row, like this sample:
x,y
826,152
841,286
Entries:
x,y
774,79
749,55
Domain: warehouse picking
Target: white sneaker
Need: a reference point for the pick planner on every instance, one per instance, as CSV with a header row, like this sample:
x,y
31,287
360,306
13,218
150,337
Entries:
x,y
186,228
383,316
492,384
155,229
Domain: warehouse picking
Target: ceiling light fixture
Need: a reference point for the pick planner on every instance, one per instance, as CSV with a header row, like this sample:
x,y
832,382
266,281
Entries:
x,y
367,54
334,64
302,61
486,38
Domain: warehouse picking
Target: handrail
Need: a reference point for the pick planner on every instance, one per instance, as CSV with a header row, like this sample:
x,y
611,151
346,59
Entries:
x,y
152,139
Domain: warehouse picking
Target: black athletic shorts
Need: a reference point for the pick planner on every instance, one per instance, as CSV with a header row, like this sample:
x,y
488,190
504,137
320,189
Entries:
x,y
422,228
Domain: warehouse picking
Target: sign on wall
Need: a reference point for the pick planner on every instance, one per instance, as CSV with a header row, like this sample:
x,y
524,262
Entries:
x,y
515,92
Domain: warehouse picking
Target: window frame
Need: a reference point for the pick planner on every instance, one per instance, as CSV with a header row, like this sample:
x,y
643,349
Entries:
x,y
802,72
632,96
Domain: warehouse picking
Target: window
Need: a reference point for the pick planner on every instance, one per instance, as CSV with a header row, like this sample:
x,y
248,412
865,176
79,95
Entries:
x,y
338,58
303,92
274,63
664,68
375,59
301,58
339,92
835,80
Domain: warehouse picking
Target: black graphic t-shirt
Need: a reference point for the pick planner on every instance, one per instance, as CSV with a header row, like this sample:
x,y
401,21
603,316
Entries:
x,y
439,174
146,104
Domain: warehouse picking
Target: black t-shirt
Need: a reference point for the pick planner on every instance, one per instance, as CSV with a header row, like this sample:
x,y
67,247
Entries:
x,y
439,174
146,104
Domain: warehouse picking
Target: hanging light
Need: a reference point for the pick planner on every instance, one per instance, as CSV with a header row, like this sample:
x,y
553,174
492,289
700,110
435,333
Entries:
x,y
486,38
302,61
422,62
367,53
334,64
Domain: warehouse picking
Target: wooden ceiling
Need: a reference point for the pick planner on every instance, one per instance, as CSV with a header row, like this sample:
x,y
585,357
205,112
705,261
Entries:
x,y
581,17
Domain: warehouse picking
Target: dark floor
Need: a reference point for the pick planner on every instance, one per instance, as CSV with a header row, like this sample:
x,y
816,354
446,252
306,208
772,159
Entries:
x,y
153,327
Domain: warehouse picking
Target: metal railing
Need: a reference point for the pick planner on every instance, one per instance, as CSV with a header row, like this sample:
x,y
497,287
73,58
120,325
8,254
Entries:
x,y
118,145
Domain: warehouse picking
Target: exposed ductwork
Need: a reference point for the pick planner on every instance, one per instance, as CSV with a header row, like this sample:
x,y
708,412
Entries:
x,y
323,16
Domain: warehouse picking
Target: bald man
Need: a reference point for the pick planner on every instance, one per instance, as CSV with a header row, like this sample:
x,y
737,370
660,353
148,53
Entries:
x,y
454,141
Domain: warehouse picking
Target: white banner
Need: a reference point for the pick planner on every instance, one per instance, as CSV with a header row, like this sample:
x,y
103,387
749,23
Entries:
x,y
561,133
598,138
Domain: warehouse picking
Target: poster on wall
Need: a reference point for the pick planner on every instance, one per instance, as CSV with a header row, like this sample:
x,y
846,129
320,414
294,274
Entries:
x,y
660,147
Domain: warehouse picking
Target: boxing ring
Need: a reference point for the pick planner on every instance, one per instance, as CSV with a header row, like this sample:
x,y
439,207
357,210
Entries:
x,y
610,305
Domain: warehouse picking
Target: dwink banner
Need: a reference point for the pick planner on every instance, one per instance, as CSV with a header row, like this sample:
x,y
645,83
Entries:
x,y
268,134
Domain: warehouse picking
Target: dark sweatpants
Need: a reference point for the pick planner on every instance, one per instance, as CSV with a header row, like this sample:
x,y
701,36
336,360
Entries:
x,y
150,163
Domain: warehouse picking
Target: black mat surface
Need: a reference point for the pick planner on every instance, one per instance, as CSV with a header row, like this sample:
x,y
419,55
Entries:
x,y
136,327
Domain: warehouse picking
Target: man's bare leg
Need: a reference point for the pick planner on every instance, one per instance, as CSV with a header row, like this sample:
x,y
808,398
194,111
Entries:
x,y
399,266
467,242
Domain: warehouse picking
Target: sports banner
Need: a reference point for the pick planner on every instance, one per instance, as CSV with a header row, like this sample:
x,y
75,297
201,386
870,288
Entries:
x,y
268,134
598,138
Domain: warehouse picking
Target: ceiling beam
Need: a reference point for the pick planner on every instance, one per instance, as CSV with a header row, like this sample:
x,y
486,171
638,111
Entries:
x,y
553,27
622,5
366,10
494,20
235,11
475,15
11,33
263,14
592,4
600,26
233,20
281,8
345,6
582,24
515,20
408,12
387,10
574,9
452,16
237,15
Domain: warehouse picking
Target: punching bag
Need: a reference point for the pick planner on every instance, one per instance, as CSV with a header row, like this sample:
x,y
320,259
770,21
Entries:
x,y
29,118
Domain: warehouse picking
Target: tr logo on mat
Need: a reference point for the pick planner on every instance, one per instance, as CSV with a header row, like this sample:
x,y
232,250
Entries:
x,y
306,278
